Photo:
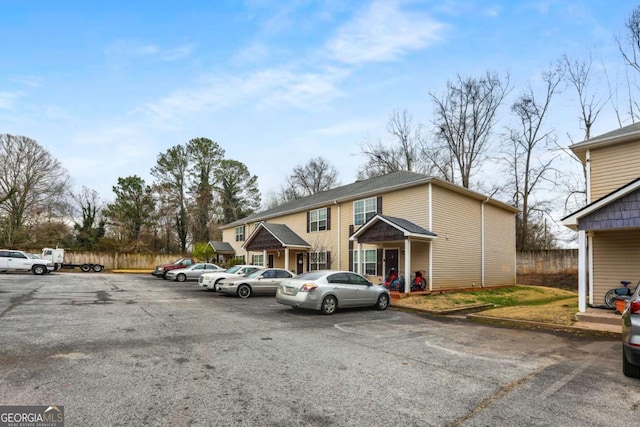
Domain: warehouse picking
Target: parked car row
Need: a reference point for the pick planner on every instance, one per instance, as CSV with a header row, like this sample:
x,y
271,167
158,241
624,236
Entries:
x,y
323,290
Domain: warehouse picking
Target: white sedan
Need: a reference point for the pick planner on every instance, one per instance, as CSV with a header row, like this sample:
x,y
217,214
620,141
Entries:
x,y
210,280
193,272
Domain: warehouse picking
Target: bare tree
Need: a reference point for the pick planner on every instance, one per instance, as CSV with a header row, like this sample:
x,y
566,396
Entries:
x,y
630,50
35,184
171,176
91,227
529,155
464,119
314,177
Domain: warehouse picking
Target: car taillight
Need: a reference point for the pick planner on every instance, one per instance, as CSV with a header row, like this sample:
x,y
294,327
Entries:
x,y
308,287
634,307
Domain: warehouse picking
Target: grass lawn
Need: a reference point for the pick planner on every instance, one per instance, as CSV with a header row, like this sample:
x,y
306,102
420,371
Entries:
x,y
535,303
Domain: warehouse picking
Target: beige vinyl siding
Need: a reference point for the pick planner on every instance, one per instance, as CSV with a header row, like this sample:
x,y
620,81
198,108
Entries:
x,y
615,258
500,246
612,167
456,251
411,204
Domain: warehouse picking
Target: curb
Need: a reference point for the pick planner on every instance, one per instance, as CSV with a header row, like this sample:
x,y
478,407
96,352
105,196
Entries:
x,y
506,322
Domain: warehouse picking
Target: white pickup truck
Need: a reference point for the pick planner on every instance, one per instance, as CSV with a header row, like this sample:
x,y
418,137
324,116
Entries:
x,y
12,260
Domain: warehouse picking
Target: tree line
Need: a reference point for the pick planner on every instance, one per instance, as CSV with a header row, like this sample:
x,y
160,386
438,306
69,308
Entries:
x,y
195,189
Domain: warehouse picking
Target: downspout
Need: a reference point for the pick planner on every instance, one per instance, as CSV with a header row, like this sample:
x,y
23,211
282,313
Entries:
x,y
430,276
588,177
482,242
335,202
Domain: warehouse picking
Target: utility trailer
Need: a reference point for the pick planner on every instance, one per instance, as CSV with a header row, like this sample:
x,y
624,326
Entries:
x,y
57,256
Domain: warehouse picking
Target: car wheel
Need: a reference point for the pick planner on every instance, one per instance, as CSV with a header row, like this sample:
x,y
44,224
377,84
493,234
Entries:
x,y
628,369
38,269
329,305
244,291
383,302
85,268
181,277
97,268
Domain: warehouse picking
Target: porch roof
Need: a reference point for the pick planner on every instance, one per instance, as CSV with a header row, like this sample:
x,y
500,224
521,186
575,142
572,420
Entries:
x,y
274,236
223,248
403,228
618,209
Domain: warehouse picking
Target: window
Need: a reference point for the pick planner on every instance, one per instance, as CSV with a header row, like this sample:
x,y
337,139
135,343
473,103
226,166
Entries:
x,y
318,261
318,220
240,234
363,210
282,274
370,262
257,259
269,274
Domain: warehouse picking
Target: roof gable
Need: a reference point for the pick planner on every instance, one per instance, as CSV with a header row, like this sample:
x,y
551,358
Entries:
x,y
273,236
386,228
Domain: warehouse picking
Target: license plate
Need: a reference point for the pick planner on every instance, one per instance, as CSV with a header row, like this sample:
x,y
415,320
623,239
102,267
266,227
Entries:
x,y
287,290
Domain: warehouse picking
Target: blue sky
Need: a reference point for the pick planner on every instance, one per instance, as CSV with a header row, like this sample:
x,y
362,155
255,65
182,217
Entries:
x,y
107,86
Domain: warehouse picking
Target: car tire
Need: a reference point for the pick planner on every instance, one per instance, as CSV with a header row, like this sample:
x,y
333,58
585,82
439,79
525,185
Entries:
x,y
383,302
628,369
164,275
329,305
181,277
39,269
610,298
85,268
97,268
244,291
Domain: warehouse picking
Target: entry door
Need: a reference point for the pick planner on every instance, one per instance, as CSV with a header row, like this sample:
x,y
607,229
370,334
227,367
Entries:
x,y
299,263
390,259
270,261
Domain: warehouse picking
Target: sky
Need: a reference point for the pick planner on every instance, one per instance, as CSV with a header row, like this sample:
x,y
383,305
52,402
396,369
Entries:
x,y
107,86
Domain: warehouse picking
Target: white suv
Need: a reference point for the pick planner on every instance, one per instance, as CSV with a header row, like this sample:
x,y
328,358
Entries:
x,y
11,260
210,280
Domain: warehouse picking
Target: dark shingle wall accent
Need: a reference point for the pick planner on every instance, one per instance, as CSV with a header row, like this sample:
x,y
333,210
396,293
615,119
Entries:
x,y
622,213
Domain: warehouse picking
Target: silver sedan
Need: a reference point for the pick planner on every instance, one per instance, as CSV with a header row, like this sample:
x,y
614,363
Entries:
x,y
328,290
631,336
264,281
193,272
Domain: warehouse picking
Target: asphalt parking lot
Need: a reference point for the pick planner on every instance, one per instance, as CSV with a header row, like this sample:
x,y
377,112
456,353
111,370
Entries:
x,y
123,349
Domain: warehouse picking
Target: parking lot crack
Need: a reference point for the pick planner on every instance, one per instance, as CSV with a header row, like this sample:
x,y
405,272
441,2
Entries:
x,y
507,388
19,300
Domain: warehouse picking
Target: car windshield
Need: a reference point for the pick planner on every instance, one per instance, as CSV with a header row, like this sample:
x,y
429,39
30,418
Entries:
x,y
234,269
311,275
256,273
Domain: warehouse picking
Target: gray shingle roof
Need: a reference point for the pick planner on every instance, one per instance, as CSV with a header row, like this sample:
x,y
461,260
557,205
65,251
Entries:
x,y
617,135
222,247
408,225
375,185
284,234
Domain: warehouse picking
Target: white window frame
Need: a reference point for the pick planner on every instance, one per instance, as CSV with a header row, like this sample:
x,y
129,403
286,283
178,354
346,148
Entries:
x,y
240,234
315,218
362,212
370,262
317,261
257,259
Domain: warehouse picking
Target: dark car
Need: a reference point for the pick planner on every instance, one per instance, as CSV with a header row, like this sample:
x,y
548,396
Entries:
x,y
631,336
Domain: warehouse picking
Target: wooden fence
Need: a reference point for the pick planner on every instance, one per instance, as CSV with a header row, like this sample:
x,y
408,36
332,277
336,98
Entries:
x,y
528,262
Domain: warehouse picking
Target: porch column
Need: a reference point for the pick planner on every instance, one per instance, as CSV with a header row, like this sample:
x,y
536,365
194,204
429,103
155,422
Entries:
x,y
407,266
582,271
286,258
360,261
430,265
264,258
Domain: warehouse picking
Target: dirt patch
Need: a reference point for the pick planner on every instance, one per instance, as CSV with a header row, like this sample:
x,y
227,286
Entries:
x,y
567,281
557,313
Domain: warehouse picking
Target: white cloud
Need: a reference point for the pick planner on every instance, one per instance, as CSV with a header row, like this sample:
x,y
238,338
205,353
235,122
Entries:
x,y
134,49
7,100
384,32
261,89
